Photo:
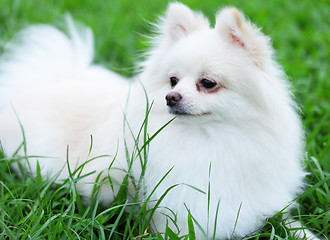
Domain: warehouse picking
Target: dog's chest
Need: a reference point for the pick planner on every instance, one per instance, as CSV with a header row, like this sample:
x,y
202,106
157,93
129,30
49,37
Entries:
x,y
193,157
223,157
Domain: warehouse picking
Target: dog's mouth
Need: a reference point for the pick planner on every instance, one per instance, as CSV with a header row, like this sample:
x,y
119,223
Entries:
x,y
185,110
187,114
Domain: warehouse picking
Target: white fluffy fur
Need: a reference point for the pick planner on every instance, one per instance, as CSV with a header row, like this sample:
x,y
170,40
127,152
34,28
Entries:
x,y
252,138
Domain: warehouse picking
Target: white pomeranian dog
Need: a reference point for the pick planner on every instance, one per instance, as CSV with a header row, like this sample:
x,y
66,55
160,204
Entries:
x,y
233,154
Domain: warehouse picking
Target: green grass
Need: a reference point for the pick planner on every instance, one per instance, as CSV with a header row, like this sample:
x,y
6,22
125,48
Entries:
x,y
34,208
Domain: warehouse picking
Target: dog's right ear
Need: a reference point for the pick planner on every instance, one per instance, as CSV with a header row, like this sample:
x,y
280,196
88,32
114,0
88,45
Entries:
x,y
180,21
240,32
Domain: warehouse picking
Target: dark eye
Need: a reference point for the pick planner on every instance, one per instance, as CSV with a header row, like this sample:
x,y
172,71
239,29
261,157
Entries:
x,y
174,81
208,84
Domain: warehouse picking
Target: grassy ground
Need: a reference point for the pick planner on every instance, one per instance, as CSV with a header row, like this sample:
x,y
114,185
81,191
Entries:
x,y
32,208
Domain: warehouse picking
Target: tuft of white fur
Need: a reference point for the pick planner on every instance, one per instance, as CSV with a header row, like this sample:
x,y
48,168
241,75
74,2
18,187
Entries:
x,y
245,139
42,51
50,86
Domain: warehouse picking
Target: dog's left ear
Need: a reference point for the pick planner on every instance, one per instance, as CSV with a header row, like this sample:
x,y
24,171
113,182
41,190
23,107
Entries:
x,y
180,21
241,33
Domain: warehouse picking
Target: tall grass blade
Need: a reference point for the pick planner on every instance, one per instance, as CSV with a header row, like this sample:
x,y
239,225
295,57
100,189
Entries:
x,y
216,220
197,223
191,229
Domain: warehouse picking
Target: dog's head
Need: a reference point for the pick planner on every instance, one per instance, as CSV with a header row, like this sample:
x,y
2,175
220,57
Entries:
x,y
223,73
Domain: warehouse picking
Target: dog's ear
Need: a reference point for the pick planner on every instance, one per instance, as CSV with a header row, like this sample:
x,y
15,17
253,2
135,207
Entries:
x,y
181,21
231,25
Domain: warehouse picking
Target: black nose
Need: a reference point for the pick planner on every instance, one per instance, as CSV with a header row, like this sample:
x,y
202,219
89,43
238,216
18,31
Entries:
x,y
172,98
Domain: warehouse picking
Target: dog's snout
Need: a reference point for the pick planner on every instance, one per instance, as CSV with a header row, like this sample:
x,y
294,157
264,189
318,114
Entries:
x,y
172,98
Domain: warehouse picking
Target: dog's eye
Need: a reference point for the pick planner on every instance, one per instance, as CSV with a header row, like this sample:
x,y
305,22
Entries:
x,y
174,81
208,84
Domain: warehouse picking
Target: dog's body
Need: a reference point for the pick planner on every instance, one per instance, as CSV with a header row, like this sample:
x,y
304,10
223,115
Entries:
x,y
236,127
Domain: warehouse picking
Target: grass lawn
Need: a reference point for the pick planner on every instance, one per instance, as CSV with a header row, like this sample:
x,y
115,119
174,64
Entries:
x,y
300,30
